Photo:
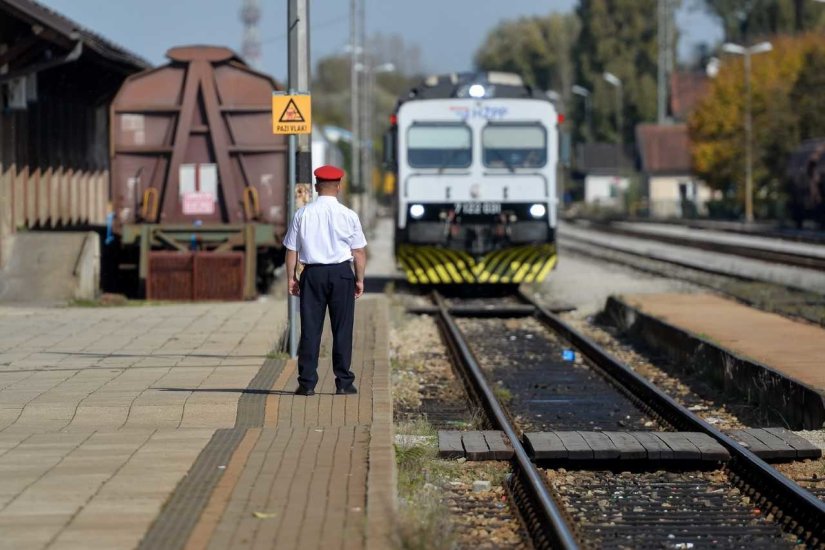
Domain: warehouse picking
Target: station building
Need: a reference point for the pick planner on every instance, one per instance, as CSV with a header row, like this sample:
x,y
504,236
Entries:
x,y
57,79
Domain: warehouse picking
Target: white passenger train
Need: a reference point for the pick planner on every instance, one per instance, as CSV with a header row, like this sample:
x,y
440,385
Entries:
x,y
475,158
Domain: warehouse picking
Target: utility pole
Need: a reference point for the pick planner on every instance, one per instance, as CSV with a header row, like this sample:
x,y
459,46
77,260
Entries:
x,y
665,58
363,111
300,161
355,175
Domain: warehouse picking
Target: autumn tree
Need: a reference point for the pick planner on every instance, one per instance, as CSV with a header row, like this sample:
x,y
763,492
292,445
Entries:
x,y
619,36
717,125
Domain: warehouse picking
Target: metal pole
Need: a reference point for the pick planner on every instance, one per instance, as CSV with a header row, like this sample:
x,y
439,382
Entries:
x,y
619,127
363,132
748,140
298,64
355,180
292,301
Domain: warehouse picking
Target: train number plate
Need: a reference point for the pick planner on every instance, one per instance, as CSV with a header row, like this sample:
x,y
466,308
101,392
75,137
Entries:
x,y
477,208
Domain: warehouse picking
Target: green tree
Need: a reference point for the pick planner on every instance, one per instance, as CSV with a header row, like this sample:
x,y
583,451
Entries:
x,y
618,36
537,48
806,95
749,20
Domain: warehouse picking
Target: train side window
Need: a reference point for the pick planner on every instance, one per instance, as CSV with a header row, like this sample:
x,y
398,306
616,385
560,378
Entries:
x,y
514,145
439,146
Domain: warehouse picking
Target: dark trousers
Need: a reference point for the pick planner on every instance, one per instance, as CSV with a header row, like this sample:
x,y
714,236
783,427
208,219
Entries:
x,y
325,286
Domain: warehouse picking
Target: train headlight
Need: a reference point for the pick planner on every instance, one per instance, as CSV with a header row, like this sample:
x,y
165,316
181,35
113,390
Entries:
x,y
538,210
477,91
417,211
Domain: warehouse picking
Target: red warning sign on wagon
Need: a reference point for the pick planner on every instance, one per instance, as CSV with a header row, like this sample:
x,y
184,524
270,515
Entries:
x,y
198,203
291,114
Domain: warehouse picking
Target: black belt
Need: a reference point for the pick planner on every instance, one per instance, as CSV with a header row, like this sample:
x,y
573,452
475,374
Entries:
x,y
327,265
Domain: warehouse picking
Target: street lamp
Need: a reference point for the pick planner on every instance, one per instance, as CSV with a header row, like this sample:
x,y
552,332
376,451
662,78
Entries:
x,y
585,93
614,81
746,53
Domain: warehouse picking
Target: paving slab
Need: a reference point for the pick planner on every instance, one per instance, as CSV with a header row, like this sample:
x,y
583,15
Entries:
x,y
91,445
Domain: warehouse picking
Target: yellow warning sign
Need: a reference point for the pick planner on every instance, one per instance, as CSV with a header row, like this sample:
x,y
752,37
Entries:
x,y
291,114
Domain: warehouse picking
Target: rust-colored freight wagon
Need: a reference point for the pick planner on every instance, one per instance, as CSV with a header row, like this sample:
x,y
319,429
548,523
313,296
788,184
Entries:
x,y
198,178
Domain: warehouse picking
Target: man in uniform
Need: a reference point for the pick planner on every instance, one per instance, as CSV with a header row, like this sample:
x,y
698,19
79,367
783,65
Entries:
x,y
326,237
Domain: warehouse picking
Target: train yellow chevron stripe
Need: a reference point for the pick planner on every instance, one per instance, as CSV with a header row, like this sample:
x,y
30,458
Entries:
x,y
435,265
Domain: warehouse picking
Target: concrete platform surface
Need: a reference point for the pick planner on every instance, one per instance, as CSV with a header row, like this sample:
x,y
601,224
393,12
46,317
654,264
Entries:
x,y
174,427
794,348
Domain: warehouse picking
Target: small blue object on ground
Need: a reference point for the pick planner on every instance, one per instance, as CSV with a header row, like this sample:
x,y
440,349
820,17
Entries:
x,y
568,355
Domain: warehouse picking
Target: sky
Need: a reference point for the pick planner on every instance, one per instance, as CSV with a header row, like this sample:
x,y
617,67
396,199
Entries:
x,y
448,32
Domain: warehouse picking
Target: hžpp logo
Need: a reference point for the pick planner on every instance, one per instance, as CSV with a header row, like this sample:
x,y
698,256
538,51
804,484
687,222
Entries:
x,y
487,112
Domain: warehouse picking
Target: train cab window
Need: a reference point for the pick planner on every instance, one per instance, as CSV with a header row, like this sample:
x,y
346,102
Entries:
x,y
439,146
514,146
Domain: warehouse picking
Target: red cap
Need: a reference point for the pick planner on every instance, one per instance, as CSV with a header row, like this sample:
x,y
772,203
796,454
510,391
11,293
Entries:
x,y
329,173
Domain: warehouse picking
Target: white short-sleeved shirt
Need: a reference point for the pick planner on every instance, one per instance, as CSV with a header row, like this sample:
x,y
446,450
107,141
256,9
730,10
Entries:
x,y
325,232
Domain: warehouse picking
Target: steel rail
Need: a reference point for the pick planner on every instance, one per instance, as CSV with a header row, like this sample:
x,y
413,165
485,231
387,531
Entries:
x,y
573,243
557,531
793,259
801,512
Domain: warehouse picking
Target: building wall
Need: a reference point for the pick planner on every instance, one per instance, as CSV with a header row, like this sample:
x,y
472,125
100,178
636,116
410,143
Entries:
x,y
54,152
605,190
667,199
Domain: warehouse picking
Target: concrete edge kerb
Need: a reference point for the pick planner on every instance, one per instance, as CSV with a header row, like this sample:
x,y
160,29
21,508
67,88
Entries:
x,y
801,405
382,475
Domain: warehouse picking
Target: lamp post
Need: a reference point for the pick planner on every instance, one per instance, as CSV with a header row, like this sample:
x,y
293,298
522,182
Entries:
x,y
614,81
585,93
746,53
366,156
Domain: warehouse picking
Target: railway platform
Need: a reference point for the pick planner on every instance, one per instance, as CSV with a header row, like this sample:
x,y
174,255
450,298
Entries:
x,y
174,426
776,361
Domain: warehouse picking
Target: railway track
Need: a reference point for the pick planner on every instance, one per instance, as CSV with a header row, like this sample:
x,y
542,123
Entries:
x,y
745,502
795,259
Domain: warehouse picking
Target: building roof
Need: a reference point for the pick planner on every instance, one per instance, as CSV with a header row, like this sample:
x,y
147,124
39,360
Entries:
x,y
64,28
663,149
686,89
602,158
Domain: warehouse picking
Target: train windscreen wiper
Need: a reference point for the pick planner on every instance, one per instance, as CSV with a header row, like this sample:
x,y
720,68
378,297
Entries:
x,y
503,158
448,159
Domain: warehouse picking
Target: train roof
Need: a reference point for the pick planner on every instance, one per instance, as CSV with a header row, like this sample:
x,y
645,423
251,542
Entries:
x,y
479,85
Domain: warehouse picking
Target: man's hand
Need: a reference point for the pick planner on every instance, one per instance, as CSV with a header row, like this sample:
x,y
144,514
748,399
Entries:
x,y
291,277
359,289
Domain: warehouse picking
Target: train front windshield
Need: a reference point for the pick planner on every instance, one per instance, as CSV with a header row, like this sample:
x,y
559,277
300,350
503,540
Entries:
x,y
514,146
439,146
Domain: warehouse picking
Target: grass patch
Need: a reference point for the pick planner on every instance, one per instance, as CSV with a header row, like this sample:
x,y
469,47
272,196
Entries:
x,y
423,518
504,395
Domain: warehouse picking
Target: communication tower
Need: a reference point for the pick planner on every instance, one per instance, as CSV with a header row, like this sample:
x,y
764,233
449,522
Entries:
x,y
250,16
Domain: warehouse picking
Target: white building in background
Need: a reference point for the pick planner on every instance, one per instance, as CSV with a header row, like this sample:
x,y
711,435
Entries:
x,y
605,174
673,191
605,190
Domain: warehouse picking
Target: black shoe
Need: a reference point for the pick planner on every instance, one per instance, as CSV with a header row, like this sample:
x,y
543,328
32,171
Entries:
x,y
304,391
346,391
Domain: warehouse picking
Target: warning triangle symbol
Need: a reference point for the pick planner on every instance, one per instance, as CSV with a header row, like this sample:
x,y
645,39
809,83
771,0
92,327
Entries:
x,y
291,113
